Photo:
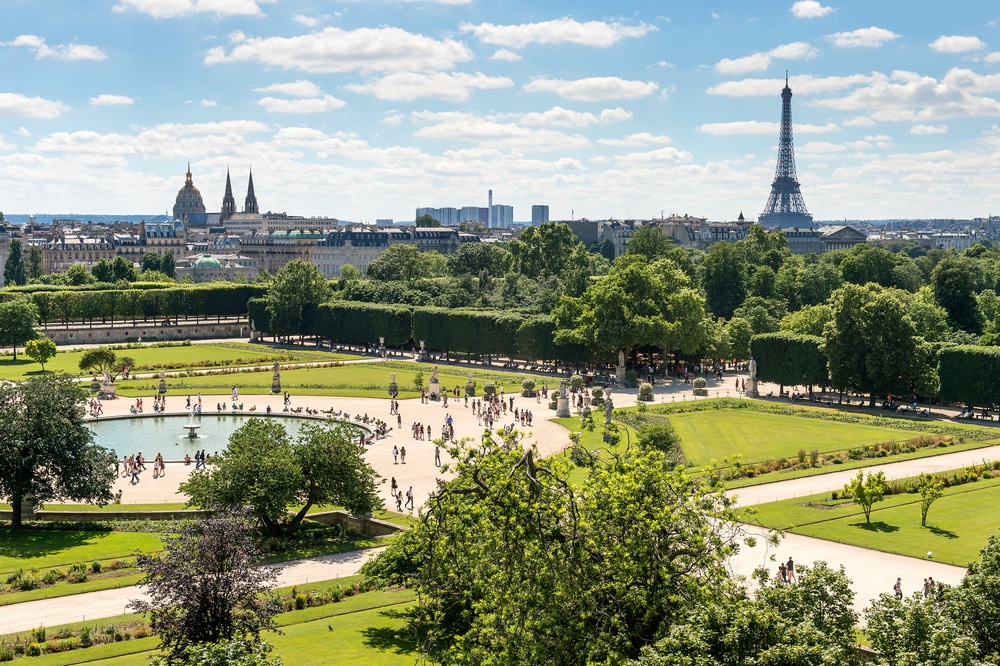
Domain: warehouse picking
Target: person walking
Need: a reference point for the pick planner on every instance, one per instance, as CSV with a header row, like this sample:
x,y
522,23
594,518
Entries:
x,y
402,455
409,498
399,501
897,589
395,454
437,456
790,568
393,487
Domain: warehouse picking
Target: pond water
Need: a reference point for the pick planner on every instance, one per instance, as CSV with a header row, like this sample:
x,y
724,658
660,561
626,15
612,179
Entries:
x,y
167,434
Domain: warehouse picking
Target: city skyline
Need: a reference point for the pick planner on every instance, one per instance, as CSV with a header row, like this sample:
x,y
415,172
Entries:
x,y
370,110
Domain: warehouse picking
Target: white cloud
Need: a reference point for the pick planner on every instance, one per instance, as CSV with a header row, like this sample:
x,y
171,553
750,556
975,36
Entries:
x,y
506,137
807,9
299,88
111,100
957,44
505,54
858,121
669,154
59,51
992,57
15,104
566,29
871,37
311,105
209,102
448,86
910,97
800,85
557,116
757,127
177,8
929,129
333,50
307,21
393,119
636,140
23,131
593,89
759,62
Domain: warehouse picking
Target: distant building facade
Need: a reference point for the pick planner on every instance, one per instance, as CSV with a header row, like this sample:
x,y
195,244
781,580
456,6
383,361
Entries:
x,y
189,206
539,215
841,237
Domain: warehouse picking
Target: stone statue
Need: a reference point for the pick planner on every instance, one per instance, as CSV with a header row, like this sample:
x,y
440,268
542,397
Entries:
x,y
392,377
252,327
107,378
621,358
434,375
275,368
753,368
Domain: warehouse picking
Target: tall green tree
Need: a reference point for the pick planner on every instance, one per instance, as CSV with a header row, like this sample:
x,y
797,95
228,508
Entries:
x,y
103,271
954,282
17,323
40,350
871,343
47,452
931,489
295,292
77,274
724,277
650,242
151,261
428,220
544,250
398,262
13,270
35,270
123,269
866,490
168,265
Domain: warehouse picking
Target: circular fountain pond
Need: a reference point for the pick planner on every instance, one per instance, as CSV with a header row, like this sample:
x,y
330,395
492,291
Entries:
x,y
170,435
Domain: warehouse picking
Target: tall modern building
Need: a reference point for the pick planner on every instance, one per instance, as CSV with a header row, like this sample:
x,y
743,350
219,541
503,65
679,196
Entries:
x,y
502,216
785,207
539,215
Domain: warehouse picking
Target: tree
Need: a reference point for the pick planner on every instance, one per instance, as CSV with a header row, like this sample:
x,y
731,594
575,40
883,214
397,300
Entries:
x,y
40,350
205,587
398,262
870,343
544,250
475,258
954,283
724,276
866,490
236,652
103,271
264,469
104,359
931,489
810,320
349,273
973,603
168,266
295,292
13,269
428,220
920,632
151,261
866,263
17,323
511,565
740,333
77,274
649,241
124,270
47,452
35,263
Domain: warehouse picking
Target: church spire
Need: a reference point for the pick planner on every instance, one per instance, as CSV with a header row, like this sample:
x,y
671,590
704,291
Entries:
x,y
228,201
250,205
189,180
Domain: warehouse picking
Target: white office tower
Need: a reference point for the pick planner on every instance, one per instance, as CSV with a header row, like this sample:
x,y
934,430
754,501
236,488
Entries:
x,y
489,223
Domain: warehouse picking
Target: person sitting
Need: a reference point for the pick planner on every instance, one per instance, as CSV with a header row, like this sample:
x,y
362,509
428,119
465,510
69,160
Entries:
x,y
118,496
133,409
187,459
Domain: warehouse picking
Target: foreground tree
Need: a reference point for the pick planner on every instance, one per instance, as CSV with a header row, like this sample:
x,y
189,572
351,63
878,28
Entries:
x,y
40,350
511,565
264,469
47,452
206,587
17,323
866,490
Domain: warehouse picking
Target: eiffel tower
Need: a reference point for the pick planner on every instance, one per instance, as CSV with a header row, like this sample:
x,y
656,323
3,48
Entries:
x,y
785,207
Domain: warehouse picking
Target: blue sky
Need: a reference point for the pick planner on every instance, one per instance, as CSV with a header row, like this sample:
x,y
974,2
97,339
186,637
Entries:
x,y
368,109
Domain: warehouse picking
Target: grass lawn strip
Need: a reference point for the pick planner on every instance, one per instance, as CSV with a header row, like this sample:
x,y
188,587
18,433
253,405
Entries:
x,y
47,548
958,524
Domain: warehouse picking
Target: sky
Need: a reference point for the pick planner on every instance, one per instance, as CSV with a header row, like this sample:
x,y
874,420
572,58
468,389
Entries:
x,y
368,109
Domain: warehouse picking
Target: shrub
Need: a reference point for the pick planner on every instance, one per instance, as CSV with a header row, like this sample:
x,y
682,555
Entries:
x,y
646,392
802,455
838,461
33,650
85,637
6,652
38,635
813,457
141,631
53,575
489,388
575,382
300,601
528,388
751,472
700,383
95,566
76,577
631,379
834,495
26,583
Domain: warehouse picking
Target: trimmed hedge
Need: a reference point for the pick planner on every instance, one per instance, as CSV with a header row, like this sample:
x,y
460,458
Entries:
x,y
362,323
790,360
969,375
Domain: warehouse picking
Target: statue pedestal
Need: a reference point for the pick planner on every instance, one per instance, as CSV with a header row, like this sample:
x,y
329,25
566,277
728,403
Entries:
x,y
562,407
162,388
620,374
108,391
752,388
28,507
434,389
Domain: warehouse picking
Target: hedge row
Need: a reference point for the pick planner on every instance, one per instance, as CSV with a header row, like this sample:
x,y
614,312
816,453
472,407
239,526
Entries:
x,y
212,300
483,332
790,360
969,375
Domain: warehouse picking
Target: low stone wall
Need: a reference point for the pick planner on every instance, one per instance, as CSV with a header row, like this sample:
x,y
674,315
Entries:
x,y
372,527
148,333
85,516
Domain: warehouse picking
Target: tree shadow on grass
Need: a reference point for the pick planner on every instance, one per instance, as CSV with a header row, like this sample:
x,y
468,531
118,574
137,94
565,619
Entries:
x,y
399,641
27,543
947,534
876,526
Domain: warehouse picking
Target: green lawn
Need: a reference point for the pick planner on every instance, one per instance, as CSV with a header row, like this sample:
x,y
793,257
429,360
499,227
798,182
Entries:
x,y
715,434
592,441
26,548
368,380
958,524
174,357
